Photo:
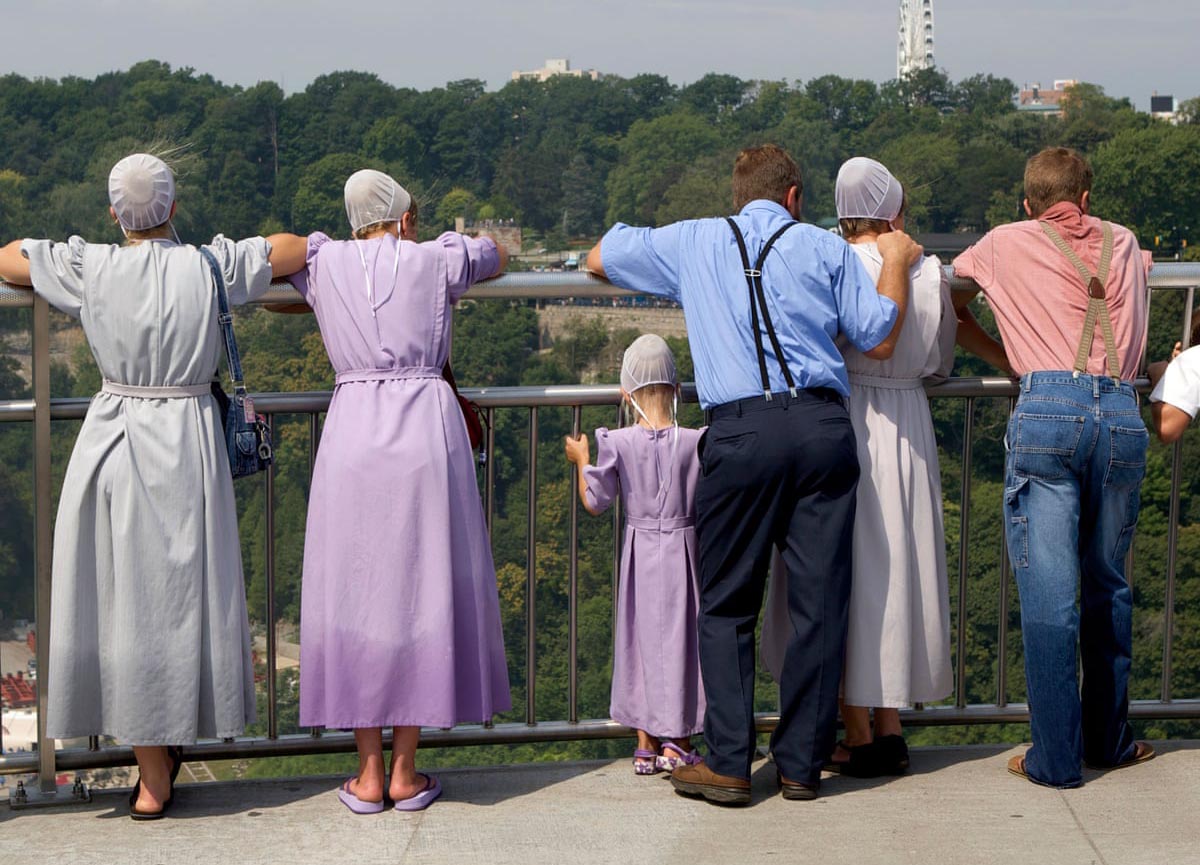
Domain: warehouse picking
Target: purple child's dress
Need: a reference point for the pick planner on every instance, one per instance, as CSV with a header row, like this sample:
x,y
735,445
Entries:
x,y
656,662
399,616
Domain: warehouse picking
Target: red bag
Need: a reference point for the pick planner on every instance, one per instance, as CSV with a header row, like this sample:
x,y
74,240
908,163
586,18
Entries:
x,y
472,413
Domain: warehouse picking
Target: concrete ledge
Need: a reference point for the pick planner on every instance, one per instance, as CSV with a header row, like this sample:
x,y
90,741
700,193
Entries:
x,y
955,805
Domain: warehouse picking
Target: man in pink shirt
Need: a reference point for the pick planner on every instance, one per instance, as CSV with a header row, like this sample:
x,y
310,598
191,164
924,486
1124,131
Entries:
x,y
1069,294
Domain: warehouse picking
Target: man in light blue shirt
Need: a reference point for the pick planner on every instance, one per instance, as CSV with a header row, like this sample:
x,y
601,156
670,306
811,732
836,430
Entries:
x,y
764,299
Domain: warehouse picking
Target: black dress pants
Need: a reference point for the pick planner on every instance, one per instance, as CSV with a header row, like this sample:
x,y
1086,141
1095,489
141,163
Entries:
x,y
778,473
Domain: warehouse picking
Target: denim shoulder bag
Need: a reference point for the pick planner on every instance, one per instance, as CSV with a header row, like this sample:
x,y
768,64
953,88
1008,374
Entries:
x,y
247,436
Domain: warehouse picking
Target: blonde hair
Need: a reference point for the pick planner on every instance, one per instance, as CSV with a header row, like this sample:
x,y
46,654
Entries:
x,y
655,399
857,226
362,231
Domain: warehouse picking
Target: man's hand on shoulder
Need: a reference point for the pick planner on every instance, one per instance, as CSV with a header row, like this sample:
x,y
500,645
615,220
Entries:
x,y
898,246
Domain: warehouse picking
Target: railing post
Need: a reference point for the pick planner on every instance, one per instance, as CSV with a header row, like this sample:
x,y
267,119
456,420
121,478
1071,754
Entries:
x,y
531,579
964,523
314,436
573,586
616,570
1002,624
269,557
489,473
1168,657
43,546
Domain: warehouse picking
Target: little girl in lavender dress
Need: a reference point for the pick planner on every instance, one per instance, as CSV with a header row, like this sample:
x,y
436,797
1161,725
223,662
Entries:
x,y
653,466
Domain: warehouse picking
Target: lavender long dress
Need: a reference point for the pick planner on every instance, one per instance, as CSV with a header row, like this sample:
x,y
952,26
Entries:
x,y
399,616
656,663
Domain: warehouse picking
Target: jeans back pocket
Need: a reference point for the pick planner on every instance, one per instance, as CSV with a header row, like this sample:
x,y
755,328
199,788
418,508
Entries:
x,y
1045,445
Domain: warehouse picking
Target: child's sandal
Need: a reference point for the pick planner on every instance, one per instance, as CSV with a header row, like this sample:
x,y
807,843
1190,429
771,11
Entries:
x,y
645,762
669,763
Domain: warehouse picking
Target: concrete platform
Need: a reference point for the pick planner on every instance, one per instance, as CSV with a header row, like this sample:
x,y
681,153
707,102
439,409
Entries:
x,y
955,805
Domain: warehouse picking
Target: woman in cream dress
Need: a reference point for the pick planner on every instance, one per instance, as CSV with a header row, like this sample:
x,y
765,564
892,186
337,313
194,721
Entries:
x,y
898,637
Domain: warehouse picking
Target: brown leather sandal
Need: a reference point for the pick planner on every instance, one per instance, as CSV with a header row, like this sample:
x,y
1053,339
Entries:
x,y
1142,751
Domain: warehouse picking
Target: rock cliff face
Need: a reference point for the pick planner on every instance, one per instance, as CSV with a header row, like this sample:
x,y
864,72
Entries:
x,y
553,319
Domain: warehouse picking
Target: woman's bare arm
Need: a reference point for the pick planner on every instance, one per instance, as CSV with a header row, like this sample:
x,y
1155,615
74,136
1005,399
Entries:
x,y
289,253
14,266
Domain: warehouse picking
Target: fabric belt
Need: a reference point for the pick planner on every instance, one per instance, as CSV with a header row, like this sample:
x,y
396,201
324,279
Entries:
x,y
780,400
401,373
667,524
886,382
184,391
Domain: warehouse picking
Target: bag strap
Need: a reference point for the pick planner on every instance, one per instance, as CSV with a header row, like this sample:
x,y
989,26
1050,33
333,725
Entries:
x,y
225,319
758,298
1097,309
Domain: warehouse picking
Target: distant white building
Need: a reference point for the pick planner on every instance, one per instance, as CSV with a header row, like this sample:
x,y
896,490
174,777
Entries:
x,y
558,66
915,51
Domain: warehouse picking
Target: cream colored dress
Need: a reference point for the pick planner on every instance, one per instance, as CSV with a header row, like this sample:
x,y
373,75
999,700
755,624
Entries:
x,y
898,638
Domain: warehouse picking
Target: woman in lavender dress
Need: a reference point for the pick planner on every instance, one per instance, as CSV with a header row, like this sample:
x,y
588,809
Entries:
x,y
653,467
400,617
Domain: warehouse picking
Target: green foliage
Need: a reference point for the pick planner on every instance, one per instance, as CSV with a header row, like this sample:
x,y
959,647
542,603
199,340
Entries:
x,y
1149,179
319,205
654,155
455,203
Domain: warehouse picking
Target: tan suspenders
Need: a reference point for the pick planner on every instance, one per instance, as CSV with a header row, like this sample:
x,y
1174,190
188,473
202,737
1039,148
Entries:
x,y
1097,309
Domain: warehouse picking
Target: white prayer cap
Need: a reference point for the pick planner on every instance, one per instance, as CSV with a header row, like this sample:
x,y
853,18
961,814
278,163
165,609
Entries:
x,y
647,361
372,196
141,190
867,190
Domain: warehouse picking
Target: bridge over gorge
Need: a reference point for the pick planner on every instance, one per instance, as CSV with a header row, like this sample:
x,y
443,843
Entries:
x,y
964,804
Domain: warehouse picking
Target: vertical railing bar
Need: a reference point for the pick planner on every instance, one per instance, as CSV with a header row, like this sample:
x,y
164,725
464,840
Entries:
x,y
531,578
960,696
489,487
40,337
573,586
314,435
269,541
1168,656
489,472
1002,625
616,570
1144,362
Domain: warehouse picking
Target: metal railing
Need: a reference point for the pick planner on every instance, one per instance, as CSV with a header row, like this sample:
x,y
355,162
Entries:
x,y
41,410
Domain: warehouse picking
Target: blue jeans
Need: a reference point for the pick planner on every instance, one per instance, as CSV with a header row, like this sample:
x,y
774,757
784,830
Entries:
x,y
1077,454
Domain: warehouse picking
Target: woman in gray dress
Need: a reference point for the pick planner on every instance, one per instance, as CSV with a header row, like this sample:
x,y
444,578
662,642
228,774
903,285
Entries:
x,y
149,641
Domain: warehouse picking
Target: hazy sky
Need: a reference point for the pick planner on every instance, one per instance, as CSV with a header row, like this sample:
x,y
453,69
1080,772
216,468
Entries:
x,y
1130,48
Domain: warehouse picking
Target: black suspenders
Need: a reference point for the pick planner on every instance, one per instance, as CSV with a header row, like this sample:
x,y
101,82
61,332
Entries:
x,y
759,298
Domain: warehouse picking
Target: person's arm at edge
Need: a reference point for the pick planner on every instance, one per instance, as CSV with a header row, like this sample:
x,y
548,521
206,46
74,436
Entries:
x,y
595,262
979,342
1170,423
14,266
899,252
289,253
502,251
578,452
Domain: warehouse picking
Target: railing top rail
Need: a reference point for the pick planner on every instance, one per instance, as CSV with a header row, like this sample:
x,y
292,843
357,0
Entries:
x,y
554,396
1171,274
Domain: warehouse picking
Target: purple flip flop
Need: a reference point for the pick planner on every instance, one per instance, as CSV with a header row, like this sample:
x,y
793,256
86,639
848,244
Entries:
x,y
645,762
422,800
682,758
358,806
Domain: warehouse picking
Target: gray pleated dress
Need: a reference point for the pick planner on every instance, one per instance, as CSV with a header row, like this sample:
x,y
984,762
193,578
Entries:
x,y
149,638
